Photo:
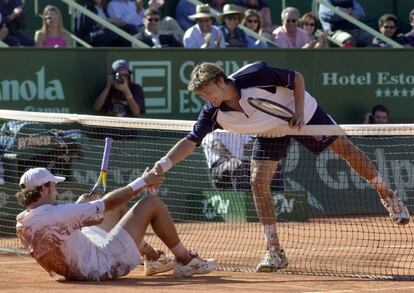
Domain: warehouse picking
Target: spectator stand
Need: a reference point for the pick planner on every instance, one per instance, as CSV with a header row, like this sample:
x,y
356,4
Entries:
x,y
361,25
242,27
74,6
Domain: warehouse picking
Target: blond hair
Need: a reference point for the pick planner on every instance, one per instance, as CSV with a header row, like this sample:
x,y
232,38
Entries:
x,y
45,27
203,74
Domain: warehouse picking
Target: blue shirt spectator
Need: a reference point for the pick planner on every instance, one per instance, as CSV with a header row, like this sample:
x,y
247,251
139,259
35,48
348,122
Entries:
x,y
182,11
12,17
332,22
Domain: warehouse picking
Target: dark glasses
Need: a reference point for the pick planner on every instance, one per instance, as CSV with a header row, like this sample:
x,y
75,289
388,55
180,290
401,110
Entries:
x,y
252,21
153,19
291,20
389,27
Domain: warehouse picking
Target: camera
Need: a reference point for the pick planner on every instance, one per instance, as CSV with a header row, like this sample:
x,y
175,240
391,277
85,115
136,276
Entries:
x,y
119,78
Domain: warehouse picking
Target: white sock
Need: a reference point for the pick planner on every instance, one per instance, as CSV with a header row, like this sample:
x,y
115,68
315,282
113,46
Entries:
x,y
270,235
179,251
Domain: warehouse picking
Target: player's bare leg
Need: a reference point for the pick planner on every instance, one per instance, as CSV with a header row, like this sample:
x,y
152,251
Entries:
x,y
363,166
151,210
262,172
155,261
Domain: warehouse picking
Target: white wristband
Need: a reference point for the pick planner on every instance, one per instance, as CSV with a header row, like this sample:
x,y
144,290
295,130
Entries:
x,y
165,164
137,184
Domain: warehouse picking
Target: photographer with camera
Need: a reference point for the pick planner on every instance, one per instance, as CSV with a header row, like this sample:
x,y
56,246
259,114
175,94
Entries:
x,y
120,96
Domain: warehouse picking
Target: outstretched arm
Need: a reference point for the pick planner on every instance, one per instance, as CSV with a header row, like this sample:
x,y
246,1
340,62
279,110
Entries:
x,y
122,195
179,152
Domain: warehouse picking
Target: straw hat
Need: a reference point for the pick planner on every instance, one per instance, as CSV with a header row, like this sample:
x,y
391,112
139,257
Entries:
x,y
230,9
202,11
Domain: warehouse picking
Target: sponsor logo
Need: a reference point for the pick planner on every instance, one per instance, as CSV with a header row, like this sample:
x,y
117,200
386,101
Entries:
x,y
24,142
387,84
155,77
28,90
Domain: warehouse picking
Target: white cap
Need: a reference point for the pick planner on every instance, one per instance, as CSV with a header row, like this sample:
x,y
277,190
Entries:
x,y
37,177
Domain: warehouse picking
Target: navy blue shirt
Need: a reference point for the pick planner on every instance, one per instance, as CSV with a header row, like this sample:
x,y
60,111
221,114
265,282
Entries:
x,y
258,75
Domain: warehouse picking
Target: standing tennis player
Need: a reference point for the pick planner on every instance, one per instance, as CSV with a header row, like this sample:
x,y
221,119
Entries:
x,y
55,238
227,107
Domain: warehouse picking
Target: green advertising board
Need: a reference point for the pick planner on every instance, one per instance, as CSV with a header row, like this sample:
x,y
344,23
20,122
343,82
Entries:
x,y
346,83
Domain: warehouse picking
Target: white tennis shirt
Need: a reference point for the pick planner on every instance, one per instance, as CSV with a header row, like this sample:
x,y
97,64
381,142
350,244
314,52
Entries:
x,y
256,80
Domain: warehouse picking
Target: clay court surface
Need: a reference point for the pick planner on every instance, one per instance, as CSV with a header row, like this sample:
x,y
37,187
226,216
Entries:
x,y
21,274
363,246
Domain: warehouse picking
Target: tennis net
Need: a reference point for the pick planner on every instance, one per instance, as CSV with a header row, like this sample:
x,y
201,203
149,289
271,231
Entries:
x,y
330,221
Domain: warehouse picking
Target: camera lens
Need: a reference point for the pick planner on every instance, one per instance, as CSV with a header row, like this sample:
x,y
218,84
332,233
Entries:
x,y
119,78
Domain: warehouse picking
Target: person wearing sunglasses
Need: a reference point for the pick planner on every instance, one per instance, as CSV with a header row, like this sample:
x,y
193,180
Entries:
x,y
310,24
230,19
203,34
289,34
388,26
151,34
252,21
263,8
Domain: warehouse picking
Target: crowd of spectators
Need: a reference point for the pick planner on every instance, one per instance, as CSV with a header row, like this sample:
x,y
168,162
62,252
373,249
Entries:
x,y
216,24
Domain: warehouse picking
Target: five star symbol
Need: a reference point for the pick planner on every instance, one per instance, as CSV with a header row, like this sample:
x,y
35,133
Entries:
x,y
394,92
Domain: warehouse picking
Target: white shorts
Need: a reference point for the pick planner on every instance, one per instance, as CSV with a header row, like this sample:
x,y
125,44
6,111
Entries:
x,y
117,254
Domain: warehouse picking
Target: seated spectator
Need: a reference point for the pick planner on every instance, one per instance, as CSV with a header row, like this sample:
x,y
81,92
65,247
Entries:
x,y
97,35
127,14
347,33
203,34
120,96
252,21
185,8
151,35
230,19
228,158
262,6
12,21
388,26
378,115
52,34
310,24
168,24
410,34
289,35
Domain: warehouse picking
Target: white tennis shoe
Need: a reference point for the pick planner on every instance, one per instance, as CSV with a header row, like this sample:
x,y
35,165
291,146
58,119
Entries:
x,y
397,210
272,261
163,264
197,266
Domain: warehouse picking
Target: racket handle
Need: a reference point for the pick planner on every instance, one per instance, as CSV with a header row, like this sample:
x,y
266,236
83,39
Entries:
x,y
106,153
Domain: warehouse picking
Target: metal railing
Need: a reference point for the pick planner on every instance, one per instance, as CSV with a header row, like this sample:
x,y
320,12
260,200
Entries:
x,y
242,27
76,7
3,45
353,20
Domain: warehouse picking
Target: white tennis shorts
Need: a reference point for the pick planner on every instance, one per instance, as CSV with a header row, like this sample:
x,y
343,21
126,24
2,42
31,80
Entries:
x,y
116,254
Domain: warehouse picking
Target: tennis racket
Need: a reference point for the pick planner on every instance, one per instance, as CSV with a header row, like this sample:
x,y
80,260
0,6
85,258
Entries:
x,y
271,108
104,168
